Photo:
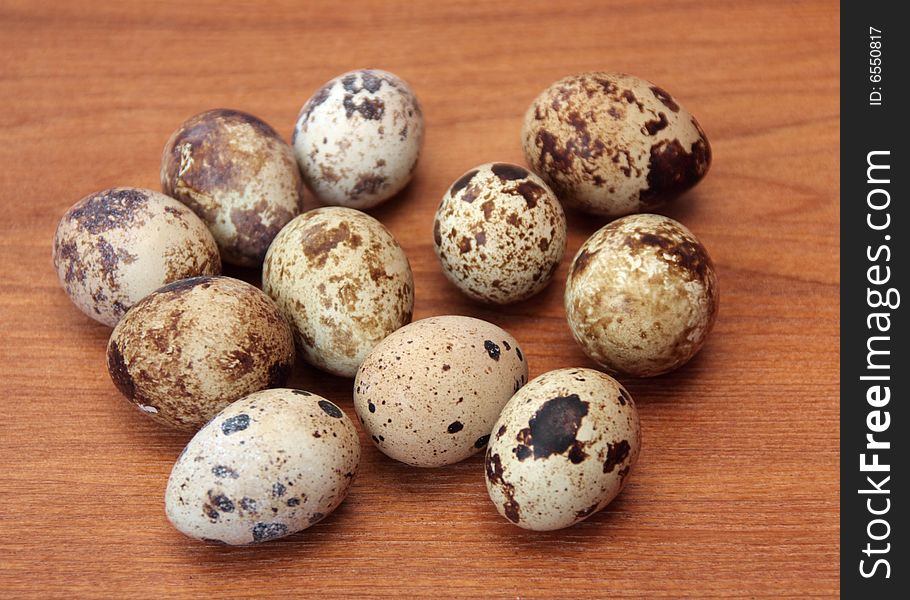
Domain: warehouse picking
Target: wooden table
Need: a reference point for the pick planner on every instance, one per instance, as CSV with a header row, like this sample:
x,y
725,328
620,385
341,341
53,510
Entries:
x,y
736,490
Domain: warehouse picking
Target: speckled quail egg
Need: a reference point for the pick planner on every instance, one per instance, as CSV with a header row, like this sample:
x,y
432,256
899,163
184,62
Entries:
x,y
358,138
499,233
562,449
194,346
268,465
613,144
429,394
642,295
238,175
343,283
114,247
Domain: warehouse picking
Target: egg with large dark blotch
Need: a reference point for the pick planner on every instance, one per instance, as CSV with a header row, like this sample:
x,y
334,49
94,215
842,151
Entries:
x,y
562,449
613,144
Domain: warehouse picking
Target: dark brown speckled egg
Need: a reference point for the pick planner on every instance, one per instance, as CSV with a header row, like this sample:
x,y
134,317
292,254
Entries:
x,y
238,175
114,247
358,138
613,144
194,346
499,233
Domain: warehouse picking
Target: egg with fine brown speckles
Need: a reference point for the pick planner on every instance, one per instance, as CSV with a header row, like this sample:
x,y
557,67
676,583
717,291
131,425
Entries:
x,y
499,233
343,283
194,346
562,449
642,295
268,465
238,175
358,138
429,394
613,144
114,247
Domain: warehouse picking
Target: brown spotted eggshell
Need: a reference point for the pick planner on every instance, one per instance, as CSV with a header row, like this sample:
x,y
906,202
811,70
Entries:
x,y
268,465
238,175
343,283
429,394
562,449
194,346
499,233
613,144
642,295
358,138
114,247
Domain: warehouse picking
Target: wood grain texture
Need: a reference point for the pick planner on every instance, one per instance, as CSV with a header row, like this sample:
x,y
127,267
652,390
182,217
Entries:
x,y
736,490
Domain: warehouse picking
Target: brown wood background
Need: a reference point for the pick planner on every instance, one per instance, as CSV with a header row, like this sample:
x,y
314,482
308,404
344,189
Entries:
x,y
736,490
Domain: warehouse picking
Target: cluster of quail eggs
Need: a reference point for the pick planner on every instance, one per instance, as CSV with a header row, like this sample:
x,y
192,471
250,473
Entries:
x,y
210,354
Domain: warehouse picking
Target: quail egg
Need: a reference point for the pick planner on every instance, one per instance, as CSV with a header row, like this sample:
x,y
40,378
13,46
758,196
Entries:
x,y
613,144
499,233
238,175
358,138
194,346
562,449
115,247
642,295
268,465
429,394
343,283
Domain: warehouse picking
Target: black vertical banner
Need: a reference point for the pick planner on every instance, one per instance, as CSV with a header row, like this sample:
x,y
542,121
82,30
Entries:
x,y
875,263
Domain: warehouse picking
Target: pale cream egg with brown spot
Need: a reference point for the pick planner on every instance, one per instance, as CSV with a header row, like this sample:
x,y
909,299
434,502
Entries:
x,y
116,246
562,449
235,172
267,466
613,144
499,233
194,346
343,282
358,139
642,295
429,394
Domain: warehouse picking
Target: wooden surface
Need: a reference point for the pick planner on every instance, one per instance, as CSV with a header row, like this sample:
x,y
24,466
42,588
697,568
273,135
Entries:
x,y
736,490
